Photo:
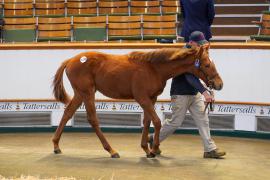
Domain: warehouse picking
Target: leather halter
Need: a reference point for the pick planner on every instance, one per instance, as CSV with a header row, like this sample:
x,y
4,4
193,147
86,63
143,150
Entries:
x,y
197,64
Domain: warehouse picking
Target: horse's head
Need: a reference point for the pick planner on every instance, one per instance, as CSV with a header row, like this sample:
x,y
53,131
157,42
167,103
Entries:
x,y
205,69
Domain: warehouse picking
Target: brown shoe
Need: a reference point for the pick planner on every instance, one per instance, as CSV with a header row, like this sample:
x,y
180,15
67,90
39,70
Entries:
x,y
214,154
150,142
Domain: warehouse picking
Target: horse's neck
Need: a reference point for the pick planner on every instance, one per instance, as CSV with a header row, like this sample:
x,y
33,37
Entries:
x,y
172,69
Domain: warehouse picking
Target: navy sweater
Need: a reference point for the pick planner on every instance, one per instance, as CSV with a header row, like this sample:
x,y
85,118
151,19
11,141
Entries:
x,y
186,84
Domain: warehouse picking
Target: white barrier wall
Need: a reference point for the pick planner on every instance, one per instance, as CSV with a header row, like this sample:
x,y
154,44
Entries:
x,y
28,74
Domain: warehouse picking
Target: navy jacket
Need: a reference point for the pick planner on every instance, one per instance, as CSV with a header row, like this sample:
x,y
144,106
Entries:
x,y
198,16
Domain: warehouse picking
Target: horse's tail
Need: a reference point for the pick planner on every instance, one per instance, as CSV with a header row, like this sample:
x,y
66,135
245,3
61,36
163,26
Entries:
x,y
59,91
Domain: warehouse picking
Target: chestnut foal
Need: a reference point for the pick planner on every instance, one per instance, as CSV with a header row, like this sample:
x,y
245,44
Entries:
x,y
138,75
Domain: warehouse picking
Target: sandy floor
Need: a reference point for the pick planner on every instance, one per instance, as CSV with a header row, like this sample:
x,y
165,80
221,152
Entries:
x,y
84,158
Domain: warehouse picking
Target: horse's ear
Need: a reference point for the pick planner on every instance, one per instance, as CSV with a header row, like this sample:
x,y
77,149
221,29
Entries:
x,y
182,54
199,55
206,46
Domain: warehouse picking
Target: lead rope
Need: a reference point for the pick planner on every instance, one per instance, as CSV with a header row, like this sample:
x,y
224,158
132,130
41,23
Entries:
x,y
209,105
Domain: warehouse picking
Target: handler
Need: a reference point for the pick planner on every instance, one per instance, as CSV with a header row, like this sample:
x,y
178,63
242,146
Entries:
x,y
187,93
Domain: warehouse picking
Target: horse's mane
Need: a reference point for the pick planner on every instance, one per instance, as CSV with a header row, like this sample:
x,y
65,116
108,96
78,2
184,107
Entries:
x,y
155,56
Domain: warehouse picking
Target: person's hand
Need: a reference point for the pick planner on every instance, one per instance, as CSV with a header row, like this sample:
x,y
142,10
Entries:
x,y
208,97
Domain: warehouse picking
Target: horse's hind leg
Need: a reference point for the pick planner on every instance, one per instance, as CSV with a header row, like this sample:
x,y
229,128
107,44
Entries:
x,y
68,113
93,120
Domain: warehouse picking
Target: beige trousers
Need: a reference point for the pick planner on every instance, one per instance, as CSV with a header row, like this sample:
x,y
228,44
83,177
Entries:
x,y
195,105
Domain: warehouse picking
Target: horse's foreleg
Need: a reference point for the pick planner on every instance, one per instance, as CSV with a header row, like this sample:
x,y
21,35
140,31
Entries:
x,y
148,107
157,127
93,120
146,125
68,113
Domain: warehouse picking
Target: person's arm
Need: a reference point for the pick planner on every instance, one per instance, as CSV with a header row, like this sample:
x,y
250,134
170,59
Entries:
x,y
211,12
196,83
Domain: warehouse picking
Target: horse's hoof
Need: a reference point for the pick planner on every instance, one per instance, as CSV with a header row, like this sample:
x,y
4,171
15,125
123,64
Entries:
x,y
57,151
151,155
115,155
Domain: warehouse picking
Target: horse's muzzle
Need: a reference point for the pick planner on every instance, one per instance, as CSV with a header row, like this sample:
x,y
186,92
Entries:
x,y
219,86
216,84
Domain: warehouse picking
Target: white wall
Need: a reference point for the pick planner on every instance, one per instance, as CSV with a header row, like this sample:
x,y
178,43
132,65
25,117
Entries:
x,y
27,74
245,74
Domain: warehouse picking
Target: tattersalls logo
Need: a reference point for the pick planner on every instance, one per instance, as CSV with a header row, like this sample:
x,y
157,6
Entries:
x,y
129,107
236,109
6,106
40,106
99,106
